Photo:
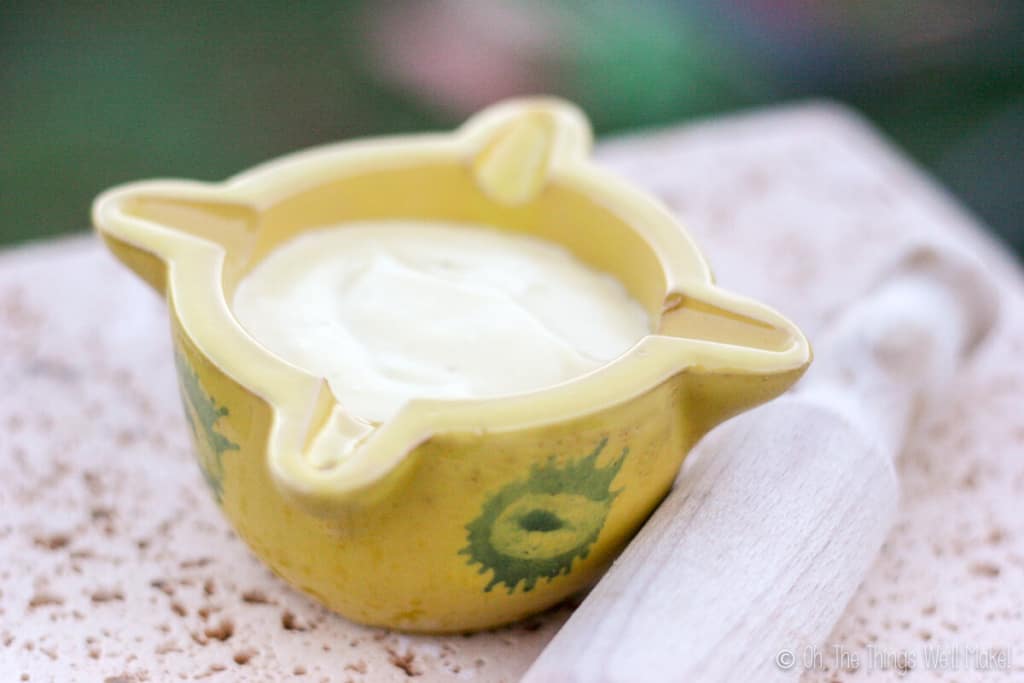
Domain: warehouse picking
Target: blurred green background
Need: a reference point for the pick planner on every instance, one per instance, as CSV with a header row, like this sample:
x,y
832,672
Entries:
x,y
95,94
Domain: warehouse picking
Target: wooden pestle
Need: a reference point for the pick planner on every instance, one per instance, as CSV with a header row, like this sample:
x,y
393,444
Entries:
x,y
752,558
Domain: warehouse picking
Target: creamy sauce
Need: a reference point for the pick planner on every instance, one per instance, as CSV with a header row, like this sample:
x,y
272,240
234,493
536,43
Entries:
x,y
388,311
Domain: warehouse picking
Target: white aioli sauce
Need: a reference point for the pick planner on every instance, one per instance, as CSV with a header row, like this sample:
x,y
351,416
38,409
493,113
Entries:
x,y
393,310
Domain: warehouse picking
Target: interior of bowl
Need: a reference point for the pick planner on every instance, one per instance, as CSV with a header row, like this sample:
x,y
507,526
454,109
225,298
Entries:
x,y
559,213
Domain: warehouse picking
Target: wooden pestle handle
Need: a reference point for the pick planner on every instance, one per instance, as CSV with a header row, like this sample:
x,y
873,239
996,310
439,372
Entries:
x,y
750,561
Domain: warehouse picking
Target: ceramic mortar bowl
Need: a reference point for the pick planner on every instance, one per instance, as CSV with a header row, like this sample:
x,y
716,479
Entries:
x,y
455,514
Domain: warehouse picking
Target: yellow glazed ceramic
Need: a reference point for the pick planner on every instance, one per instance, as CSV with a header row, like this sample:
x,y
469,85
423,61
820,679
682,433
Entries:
x,y
455,515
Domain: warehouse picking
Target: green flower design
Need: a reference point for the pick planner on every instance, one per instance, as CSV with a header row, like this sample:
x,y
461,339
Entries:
x,y
203,413
537,527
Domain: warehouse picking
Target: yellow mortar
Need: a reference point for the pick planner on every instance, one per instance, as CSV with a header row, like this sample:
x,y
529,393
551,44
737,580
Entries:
x,y
454,515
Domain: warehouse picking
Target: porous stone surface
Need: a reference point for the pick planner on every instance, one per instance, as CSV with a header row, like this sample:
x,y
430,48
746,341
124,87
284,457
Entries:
x,y
115,564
